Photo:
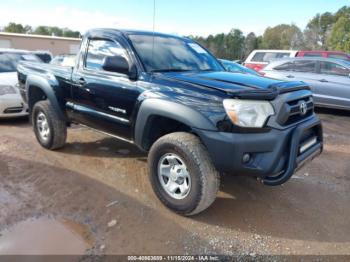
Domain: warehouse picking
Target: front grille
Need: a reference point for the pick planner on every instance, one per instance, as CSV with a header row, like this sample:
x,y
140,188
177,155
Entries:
x,y
293,110
13,110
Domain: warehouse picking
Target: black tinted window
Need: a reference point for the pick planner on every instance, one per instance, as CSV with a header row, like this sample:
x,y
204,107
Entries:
x,y
305,66
46,58
258,57
285,67
330,68
268,56
98,50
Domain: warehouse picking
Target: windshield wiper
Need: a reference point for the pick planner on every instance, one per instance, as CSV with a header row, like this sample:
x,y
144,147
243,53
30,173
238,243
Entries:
x,y
169,70
207,70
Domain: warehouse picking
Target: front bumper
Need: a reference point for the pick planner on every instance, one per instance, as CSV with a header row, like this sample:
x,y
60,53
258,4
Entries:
x,y
12,106
273,155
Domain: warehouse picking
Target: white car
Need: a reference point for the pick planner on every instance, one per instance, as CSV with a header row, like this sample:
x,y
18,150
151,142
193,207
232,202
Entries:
x,y
11,102
258,59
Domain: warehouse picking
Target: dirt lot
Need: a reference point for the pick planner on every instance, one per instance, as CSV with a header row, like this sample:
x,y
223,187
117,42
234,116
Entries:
x,y
96,189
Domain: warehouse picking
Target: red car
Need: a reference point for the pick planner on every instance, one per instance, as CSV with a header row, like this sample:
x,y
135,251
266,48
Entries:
x,y
258,59
326,54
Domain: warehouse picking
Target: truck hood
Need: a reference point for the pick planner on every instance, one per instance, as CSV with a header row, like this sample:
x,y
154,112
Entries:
x,y
237,84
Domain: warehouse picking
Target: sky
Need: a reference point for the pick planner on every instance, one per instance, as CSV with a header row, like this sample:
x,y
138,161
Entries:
x,y
182,17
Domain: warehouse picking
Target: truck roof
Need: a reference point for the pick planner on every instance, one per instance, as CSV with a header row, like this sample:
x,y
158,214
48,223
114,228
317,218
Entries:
x,y
129,32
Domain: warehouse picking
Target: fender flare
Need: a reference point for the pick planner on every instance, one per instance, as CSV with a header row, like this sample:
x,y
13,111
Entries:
x,y
46,87
179,112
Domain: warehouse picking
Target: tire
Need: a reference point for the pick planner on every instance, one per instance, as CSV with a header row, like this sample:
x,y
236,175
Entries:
x,y
56,136
184,152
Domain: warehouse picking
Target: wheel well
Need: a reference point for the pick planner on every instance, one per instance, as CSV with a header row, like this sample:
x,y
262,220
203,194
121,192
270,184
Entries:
x,y
158,126
35,94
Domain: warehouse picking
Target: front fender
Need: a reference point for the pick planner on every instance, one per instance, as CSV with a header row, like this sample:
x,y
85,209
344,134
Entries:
x,y
181,113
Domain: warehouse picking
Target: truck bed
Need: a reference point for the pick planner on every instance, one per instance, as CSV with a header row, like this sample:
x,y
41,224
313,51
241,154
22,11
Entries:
x,y
51,72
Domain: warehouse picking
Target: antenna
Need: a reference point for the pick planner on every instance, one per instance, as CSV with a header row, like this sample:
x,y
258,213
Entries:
x,y
154,14
154,24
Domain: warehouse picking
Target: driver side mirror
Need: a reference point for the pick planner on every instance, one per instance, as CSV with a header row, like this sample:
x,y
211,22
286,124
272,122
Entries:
x,y
119,64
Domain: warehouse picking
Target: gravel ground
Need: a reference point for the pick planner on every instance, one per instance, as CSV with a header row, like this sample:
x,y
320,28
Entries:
x,y
101,184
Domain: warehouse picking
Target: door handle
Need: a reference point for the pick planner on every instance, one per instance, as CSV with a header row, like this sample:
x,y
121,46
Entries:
x,y
81,81
290,76
323,80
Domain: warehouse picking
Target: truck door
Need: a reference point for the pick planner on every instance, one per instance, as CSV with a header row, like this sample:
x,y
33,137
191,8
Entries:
x,y
103,100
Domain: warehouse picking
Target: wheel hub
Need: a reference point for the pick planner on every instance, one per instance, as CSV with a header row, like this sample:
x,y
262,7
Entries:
x,y
43,126
174,176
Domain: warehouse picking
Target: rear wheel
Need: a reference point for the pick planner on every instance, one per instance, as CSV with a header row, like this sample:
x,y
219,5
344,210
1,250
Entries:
x,y
49,129
182,174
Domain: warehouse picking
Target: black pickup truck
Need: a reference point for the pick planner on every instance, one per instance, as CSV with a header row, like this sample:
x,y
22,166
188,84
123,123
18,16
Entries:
x,y
171,98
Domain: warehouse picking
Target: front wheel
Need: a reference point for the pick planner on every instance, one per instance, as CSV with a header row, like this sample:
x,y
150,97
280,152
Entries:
x,y
182,174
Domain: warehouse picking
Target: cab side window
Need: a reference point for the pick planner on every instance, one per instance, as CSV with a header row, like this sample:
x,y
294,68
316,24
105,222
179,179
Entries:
x,y
305,66
268,56
330,68
285,67
99,49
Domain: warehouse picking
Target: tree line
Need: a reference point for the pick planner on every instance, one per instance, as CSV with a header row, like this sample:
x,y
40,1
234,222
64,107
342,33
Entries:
x,y
40,30
327,31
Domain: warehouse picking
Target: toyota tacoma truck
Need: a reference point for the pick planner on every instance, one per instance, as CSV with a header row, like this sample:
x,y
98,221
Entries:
x,y
172,98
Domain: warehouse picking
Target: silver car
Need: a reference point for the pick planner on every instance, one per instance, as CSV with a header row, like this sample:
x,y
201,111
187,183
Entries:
x,y
328,78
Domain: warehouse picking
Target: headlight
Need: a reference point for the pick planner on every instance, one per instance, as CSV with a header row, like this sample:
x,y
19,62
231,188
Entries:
x,y
7,90
248,113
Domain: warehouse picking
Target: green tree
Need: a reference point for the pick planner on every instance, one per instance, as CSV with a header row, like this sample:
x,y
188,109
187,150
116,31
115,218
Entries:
x,y
250,43
234,44
282,37
228,46
70,33
340,37
259,41
17,28
55,31
324,31
42,30
318,30
342,12
48,30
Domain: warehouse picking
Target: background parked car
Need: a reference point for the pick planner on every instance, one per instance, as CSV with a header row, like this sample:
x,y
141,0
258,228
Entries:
x,y
45,56
258,59
326,54
329,78
11,102
234,67
64,60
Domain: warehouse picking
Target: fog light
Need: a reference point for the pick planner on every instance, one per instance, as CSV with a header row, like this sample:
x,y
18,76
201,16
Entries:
x,y
246,158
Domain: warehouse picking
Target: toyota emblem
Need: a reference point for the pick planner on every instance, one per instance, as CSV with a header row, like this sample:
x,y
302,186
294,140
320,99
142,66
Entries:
x,y
303,108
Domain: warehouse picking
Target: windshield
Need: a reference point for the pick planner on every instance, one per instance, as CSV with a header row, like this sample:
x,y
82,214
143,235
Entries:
x,y
230,66
173,54
9,61
346,63
237,68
